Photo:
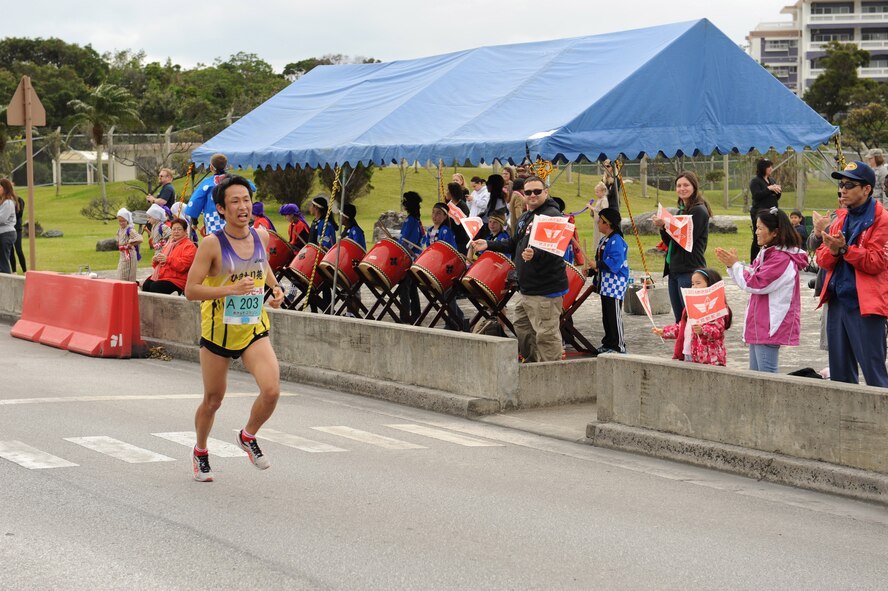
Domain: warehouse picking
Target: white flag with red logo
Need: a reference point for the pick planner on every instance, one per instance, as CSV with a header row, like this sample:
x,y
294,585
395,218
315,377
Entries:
x,y
705,304
551,234
455,213
679,227
472,225
645,301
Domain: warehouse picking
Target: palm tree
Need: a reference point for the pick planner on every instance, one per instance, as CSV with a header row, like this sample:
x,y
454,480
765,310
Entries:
x,y
106,106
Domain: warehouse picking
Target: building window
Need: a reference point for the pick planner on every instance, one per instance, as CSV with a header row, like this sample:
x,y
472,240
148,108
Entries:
x,y
827,35
817,64
874,7
878,62
831,8
874,35
777,45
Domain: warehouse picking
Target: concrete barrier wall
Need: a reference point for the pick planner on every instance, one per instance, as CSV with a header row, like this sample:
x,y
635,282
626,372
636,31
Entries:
x,y
556,382
801,417
12,292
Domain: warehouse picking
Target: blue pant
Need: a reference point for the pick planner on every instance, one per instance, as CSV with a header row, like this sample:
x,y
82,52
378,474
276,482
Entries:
x,y
764,358
676,282
854,339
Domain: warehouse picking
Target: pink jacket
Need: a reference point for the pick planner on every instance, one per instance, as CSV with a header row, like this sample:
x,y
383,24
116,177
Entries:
x,y
708,348
773,315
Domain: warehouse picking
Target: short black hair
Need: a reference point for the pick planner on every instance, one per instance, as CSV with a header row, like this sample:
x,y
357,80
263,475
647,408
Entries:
x,y
227,181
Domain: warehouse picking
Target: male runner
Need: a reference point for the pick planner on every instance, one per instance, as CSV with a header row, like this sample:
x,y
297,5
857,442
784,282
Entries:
x,y
228,276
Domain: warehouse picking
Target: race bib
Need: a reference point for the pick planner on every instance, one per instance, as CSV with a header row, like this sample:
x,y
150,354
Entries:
x,y
244,309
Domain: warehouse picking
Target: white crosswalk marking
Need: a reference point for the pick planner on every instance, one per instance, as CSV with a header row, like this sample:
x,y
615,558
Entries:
x,y
217,447
297,442
30,457
369,438
426,431
119,449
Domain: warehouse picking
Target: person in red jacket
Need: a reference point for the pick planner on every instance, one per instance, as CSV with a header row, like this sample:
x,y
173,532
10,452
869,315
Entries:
x,y
854,254
172,262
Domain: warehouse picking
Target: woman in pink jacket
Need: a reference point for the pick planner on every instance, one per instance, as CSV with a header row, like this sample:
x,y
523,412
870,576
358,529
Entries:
x,y
773,315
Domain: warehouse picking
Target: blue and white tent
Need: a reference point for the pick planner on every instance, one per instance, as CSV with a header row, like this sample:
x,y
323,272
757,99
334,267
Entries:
x,y
682,88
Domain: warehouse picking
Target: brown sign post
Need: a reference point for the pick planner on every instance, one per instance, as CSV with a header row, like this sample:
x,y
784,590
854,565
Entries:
x,y
26,109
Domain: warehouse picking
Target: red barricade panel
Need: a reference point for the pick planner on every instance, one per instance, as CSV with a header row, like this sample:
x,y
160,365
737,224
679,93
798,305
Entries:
x,y
96,317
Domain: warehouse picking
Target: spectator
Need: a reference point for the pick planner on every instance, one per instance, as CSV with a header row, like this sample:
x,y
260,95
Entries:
x,y
680,263
798,224
6,187
172,262
773,316
542,280
613,200
260,219
876,160
459,179
765,194
497,201
821,224
601,202
856,283
128,241
612,278
478,198
455,196
177,211
8,206
167,194
703,342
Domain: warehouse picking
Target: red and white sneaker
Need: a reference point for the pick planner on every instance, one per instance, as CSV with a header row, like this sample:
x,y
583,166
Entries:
x,y
253,452
200,465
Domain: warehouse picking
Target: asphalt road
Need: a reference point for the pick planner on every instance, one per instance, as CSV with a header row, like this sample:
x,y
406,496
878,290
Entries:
x,y
441,503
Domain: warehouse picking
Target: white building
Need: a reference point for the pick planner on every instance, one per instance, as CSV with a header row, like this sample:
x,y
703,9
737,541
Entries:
x,y
793,49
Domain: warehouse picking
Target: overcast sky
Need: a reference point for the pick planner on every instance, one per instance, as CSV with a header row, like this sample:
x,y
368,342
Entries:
x,y
284,31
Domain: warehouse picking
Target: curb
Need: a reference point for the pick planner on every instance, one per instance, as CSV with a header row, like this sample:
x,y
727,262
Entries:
x,y
823,477
406,394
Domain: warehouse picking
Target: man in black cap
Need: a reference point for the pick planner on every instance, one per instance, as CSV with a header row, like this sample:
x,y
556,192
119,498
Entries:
x,y
854,254
542,280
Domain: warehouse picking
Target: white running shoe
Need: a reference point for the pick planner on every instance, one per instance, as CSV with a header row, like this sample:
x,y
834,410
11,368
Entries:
x,y
200,465
253,452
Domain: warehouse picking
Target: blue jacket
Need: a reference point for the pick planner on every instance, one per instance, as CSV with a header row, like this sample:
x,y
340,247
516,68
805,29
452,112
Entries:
x,y
201,202
612,260
355,233
329,233
412,231
444,234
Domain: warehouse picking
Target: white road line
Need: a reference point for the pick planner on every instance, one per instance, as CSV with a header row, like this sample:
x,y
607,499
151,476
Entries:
x,y
426,431
369,438
217,447
119,398
297,442
30,457
119,449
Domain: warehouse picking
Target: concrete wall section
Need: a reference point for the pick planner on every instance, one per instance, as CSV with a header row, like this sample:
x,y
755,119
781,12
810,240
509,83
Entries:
x,y
805,418
169,318
12,293
556,382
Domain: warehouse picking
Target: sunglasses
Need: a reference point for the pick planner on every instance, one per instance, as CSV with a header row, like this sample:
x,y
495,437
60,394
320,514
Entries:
x,y
848,186
529,192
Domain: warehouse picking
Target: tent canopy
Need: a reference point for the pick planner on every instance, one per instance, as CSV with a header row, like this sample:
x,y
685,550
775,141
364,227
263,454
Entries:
x,y
683,88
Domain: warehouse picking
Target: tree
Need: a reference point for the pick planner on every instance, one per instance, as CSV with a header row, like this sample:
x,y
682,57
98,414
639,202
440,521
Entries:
x,y
106,106
357,181
868,125
55,143
832,92
285,185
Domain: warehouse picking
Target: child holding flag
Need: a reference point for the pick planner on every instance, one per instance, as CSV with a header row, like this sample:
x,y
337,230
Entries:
x,y
612,266
704,342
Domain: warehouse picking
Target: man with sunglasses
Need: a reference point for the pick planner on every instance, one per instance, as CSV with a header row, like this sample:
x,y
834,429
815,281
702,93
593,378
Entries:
x,y
542,280
854,254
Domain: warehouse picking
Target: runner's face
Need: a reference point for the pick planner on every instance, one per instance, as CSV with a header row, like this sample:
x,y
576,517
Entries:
x,y
698,281
238,206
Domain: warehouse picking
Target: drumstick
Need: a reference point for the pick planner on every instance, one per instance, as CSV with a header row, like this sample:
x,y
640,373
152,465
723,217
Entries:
x,y
390,237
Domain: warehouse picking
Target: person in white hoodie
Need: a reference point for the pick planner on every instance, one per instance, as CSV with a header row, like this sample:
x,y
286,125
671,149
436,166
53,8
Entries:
x,y
8,205
773,315
478,198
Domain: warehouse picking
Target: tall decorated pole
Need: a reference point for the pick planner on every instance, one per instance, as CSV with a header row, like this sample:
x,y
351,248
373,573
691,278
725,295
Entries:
x,y
26,109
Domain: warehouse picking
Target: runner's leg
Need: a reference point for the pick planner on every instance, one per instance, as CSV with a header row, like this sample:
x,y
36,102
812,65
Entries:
x,y
261,361
215,378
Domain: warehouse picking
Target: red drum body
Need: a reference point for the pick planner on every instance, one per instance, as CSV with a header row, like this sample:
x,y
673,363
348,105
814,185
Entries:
x,y
386,264
575,282
438,267
280,253
487,277
301,265
350,254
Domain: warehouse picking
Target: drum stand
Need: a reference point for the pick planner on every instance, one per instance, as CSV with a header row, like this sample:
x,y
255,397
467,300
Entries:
x,y
302,289
386,297
436,301
344,295
492,312
569,332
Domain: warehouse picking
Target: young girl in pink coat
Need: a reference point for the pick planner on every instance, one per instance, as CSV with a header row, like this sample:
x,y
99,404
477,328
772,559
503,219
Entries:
x,y
773,315
701,343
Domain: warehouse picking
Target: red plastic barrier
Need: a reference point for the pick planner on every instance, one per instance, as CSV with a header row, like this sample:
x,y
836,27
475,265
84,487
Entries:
x,y
96,317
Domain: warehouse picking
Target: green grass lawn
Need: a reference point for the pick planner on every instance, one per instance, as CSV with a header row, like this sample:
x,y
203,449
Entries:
x,y
77,247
